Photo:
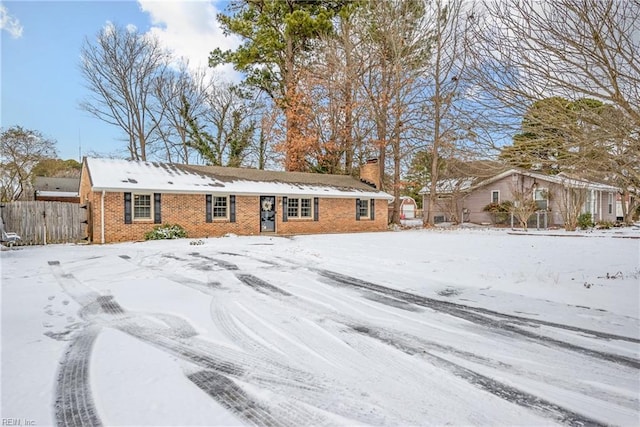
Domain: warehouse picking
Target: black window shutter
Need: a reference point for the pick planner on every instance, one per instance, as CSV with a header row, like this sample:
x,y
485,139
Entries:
x,y
357,209
208,207
127,208
284,209
232,209
316,202
372,206
157,213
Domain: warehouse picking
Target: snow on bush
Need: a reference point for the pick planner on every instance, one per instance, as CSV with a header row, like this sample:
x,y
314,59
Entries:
x,y
166,231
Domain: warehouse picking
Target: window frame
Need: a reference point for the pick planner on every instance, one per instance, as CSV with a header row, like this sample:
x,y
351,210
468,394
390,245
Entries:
x,y
298,208
227,208
495,192
541,190
366,203
134,198
610,203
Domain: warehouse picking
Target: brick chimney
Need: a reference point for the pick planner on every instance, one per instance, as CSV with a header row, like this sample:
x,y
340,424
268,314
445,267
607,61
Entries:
x,y
370,173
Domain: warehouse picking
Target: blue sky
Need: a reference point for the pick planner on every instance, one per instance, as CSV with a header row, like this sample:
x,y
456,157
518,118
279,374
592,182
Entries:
x,y
41,85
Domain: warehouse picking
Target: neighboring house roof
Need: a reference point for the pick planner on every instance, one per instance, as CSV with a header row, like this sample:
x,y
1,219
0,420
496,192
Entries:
x,y
56,187
466,185
559,179
450,185
124,175
474,168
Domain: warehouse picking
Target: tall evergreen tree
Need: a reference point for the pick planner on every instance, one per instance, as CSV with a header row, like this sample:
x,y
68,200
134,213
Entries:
x,y
277,34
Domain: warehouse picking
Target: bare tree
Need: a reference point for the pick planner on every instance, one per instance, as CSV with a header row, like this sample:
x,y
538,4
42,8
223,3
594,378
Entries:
x,y
526,51
20,151
120,68
261,151
174,90
332,78
224,130
572,200
396,52
446,86
523,204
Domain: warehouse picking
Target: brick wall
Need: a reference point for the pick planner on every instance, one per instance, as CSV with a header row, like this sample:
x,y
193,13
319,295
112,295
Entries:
x,y
334,216
188,210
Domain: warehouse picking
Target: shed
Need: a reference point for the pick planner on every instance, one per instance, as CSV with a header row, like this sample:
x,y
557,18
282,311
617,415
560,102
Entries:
x,y
408,207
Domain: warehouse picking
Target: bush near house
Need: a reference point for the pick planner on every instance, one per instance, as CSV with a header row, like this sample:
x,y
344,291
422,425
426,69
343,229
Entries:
x,y
500,212
604,225
166,231
585,221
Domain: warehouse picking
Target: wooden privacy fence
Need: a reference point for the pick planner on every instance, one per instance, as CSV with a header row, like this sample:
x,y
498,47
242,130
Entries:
x,y
40,223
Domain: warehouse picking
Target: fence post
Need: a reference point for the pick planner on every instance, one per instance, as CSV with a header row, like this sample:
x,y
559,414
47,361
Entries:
x,y
44,226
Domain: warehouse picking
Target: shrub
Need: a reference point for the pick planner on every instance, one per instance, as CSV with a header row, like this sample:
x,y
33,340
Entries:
x,y
585,221
604,225
499,211
166,231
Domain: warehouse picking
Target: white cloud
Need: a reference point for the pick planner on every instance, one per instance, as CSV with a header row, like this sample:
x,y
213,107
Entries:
x,y
190,29
9,23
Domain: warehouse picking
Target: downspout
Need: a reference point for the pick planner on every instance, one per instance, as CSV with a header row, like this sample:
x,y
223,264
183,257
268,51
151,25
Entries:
x,y
102,218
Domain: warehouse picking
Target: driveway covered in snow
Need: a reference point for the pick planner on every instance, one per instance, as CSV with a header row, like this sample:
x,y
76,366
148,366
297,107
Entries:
x,y
412,328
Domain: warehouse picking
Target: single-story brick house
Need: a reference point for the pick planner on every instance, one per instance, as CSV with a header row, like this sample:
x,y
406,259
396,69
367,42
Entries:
x,y
465,198
53,189
126,199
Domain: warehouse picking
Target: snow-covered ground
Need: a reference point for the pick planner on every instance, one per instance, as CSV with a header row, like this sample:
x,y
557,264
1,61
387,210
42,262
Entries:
x,y
418,327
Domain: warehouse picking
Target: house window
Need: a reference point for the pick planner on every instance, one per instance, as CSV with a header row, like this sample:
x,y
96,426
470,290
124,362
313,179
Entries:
x,y
299,208
220,207
541,197
610,203
495,196
364,208
142,207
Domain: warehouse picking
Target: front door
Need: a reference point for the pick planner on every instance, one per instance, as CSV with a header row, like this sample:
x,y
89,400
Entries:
x,y
267,213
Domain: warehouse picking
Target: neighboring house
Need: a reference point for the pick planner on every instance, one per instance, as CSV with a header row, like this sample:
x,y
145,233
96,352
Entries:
x,y
126,199
57,189
408,207
466,198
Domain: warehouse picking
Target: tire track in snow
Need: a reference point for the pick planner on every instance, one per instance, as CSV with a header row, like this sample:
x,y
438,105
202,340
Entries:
x,y
219,262
260,285
233,397
439,304
474,315
482,381
303,342
511,394
74,405
402,296
414,337
248,279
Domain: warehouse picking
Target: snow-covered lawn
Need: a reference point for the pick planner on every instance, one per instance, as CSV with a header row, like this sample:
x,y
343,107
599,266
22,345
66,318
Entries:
x,y
419,327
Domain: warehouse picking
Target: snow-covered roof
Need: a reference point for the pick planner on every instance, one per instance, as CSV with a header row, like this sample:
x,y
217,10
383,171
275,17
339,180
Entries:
x,y
450,185
556,179
124,175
